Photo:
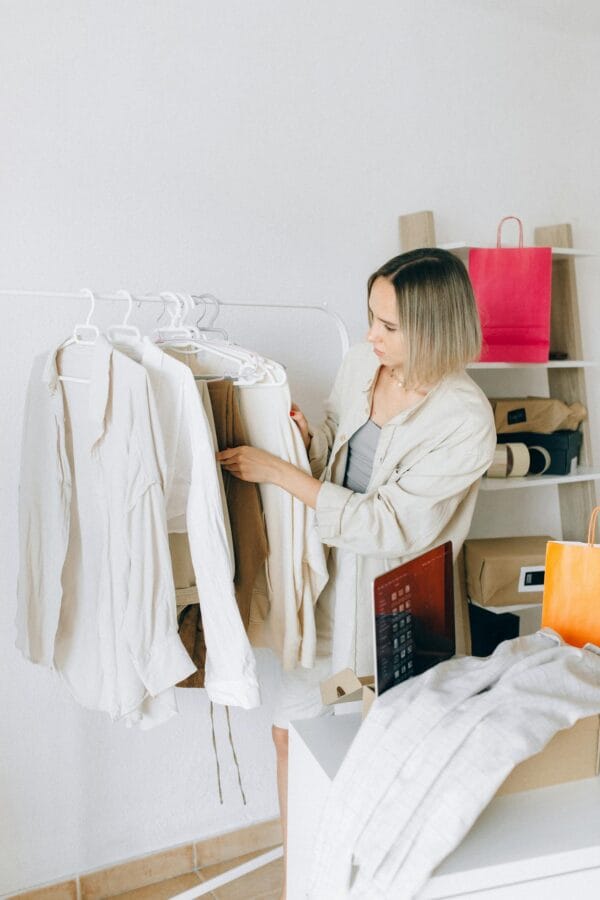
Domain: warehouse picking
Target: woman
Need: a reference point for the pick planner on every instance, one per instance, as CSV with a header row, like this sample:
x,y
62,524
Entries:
x,y
397,461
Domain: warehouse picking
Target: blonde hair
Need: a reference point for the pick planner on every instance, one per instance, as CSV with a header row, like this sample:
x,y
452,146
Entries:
x,y
436,311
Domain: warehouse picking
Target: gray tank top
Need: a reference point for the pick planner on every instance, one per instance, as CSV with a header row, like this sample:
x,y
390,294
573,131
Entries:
x,y
361,453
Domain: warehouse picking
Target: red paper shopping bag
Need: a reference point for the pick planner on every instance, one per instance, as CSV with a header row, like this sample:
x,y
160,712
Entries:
x,y
512,287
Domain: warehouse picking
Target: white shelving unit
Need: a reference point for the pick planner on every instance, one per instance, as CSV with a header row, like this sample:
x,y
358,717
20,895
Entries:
x,y
551,364
583,473
462,249
536,845
565,380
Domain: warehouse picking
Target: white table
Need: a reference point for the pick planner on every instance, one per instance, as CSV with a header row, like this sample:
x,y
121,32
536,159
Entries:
x,y
537,844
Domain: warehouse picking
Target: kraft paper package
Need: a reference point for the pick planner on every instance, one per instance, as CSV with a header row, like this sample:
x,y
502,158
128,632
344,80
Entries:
x,y
540,414
494,569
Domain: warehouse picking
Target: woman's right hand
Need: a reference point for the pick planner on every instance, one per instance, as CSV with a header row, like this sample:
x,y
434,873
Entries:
x,y
301,423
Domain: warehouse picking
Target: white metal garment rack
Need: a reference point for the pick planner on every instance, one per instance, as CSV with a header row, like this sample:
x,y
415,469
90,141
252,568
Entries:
x,y
208,302
205,299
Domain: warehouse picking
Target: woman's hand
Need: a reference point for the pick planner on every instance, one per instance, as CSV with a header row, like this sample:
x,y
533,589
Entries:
x,y
250,464
299,419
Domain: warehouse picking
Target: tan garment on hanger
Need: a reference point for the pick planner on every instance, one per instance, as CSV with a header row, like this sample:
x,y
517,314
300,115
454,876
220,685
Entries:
x,y
247,527
243,498
192,638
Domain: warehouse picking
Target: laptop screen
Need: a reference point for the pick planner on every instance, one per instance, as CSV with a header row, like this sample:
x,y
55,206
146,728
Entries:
x,y
414,617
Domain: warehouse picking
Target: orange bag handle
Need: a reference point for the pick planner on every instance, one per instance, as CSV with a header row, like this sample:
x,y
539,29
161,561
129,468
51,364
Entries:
x,y
592,528
499,232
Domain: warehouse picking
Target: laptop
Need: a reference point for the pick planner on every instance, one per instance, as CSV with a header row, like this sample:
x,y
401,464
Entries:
x,y
414,617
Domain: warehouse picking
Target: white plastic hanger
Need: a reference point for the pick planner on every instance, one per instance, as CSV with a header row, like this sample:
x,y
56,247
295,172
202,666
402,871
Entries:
x,y
76,337
124,333
248,366
255,369
177,330
207,300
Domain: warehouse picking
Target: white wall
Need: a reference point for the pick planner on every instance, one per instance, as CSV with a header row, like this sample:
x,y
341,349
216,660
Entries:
x,y
261,150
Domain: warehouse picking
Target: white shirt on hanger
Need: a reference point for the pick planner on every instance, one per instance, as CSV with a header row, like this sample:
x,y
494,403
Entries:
x,y
195,501
283,614
95,591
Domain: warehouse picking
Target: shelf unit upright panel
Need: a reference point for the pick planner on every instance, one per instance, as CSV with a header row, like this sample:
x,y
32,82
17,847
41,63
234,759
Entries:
x,y
579,498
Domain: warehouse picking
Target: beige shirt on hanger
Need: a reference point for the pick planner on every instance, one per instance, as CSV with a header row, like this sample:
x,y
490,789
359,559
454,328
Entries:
x,y
95,591
195,504
282,616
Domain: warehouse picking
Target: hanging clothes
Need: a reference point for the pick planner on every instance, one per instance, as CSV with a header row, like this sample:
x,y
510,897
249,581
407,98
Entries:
x,y
191,632
198,523
283,603
245,514
243,498
95,591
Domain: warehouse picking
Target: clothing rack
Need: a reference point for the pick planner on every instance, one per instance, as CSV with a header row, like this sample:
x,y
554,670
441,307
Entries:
x,y
205,300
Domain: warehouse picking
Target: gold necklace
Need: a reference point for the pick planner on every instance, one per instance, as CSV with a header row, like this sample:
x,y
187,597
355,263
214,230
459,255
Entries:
x,y
394,377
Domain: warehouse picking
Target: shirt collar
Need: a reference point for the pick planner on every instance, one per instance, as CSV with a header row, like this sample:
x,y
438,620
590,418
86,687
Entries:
x,y
370,377
411,410
100,385
102,352
50,373
370,374
151,353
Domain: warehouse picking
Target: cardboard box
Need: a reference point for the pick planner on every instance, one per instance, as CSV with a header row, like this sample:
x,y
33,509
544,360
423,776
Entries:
x,y
572,754
346,687
505,571
368,696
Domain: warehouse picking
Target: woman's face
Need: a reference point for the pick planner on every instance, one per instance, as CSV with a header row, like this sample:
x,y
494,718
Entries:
x,y
384,334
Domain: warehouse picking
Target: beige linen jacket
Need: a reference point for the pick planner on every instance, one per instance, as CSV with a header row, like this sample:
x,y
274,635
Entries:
x,y
95,596
423,487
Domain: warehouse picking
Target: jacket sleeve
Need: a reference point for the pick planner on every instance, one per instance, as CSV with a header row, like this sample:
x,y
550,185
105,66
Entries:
x,y
44,501
150,620
230,677
407,513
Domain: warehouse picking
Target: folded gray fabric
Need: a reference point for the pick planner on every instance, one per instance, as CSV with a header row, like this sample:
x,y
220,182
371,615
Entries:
x,y
424,736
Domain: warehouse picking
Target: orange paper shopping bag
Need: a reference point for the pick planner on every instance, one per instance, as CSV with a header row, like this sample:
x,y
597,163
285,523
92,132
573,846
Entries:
x,y
571,604
512,287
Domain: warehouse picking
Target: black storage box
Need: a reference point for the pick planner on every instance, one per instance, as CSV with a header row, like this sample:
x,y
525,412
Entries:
x,y
488,629
563,447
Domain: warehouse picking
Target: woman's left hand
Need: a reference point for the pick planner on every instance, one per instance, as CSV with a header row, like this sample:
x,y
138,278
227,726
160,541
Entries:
x,y
250,464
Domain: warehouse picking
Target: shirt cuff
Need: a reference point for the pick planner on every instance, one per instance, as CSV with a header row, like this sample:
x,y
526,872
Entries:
x,y
153,711
233,693
166,665
331,502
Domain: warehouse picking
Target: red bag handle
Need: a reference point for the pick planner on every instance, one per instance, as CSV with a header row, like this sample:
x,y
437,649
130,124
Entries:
x,y
592,528
499,232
